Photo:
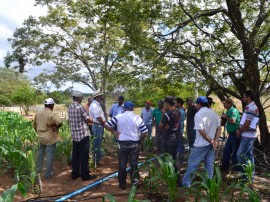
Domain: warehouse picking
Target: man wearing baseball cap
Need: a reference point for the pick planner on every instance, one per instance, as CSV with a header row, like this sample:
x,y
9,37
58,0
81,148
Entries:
x,y
46,124
130,130
208,129
232,118
78,122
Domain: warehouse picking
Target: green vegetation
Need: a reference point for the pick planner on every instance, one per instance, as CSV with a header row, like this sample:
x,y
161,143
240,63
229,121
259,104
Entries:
x,y
18,149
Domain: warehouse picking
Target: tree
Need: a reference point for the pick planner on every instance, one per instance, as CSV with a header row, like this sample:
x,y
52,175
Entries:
x,y
10,81
222,46
84,49
26,96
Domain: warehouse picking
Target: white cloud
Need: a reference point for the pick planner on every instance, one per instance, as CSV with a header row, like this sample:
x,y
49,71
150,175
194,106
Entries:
x,y
12,15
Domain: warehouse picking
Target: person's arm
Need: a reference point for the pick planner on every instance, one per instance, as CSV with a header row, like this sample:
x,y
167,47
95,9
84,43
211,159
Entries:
x,y
244,128
112,130
35,124
85,115
229,119
163,119
101,120
214,141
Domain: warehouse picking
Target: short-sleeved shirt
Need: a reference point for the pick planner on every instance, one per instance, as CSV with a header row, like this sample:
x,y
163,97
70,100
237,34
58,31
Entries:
x,y
129,125
172,119
234,114
182,120
95,111
147,116
205,119
251,112
44,122
78,117
157,115
116,109
191,111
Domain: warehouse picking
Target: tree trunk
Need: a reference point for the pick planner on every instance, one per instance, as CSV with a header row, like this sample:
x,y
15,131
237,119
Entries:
x,y
264,131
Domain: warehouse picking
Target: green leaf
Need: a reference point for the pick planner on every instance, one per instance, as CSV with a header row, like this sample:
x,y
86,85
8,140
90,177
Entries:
x,y
8,195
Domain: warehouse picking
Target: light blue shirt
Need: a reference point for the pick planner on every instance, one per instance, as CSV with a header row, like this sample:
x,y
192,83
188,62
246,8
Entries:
x,y
116,109
147,116
183,118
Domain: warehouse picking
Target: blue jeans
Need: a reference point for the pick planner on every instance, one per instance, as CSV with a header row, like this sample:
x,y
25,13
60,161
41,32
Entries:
x,y
50,153
206,153
98,131
230,150
149,128
245,153
180,149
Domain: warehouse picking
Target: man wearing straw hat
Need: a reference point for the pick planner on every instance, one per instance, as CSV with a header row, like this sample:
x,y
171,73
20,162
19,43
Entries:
x,y
98,116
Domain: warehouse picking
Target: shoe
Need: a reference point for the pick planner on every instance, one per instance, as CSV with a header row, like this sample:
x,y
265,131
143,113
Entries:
x,y
89,177
122,186
136,182
180,185
100,163
74,177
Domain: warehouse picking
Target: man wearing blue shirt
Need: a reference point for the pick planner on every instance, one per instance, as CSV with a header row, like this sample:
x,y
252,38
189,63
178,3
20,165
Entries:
x,y
117,108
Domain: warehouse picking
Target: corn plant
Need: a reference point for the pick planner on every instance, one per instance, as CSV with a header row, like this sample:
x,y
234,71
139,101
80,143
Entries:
x,y
164,174
240,192
212,186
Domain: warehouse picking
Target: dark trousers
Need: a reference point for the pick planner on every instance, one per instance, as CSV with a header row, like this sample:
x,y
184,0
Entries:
x,y
230,151
191,136
80,157
128,151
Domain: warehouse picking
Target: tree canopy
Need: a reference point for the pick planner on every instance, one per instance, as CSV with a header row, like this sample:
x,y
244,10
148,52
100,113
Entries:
x,y
219,46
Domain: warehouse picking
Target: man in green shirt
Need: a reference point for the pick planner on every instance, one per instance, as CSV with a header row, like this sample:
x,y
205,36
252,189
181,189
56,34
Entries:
x,y
156,118
232,118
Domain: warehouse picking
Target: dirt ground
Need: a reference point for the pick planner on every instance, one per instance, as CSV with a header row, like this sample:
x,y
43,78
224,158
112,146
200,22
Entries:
x,y
61,184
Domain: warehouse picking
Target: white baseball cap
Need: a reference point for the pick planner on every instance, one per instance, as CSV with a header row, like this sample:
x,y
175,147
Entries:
x,y
49,101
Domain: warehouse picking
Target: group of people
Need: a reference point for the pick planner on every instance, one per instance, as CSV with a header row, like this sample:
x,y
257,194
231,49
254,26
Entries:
x,y
203,129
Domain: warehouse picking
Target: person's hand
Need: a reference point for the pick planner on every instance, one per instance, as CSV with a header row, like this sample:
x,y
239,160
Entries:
x,y
116,134
224,116
215,144
167,126
238,133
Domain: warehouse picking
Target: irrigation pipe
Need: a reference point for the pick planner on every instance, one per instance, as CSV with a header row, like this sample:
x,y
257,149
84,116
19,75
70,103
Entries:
x,y
98,182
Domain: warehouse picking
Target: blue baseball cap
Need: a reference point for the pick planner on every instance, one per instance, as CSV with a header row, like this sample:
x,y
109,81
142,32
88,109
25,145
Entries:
x,y
201,99
129,105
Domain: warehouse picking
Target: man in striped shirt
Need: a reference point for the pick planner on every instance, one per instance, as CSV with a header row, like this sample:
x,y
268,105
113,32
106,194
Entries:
x,y
130,131
247,132
78,122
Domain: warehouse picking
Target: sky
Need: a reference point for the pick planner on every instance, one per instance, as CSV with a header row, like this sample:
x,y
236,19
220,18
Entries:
x,y
12,15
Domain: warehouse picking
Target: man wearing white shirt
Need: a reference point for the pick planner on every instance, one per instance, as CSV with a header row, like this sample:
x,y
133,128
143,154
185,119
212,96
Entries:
x,y
208,130
130,131
247,132
98,116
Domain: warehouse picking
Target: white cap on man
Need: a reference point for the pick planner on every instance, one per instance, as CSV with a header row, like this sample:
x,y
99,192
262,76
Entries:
x,y
49,101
